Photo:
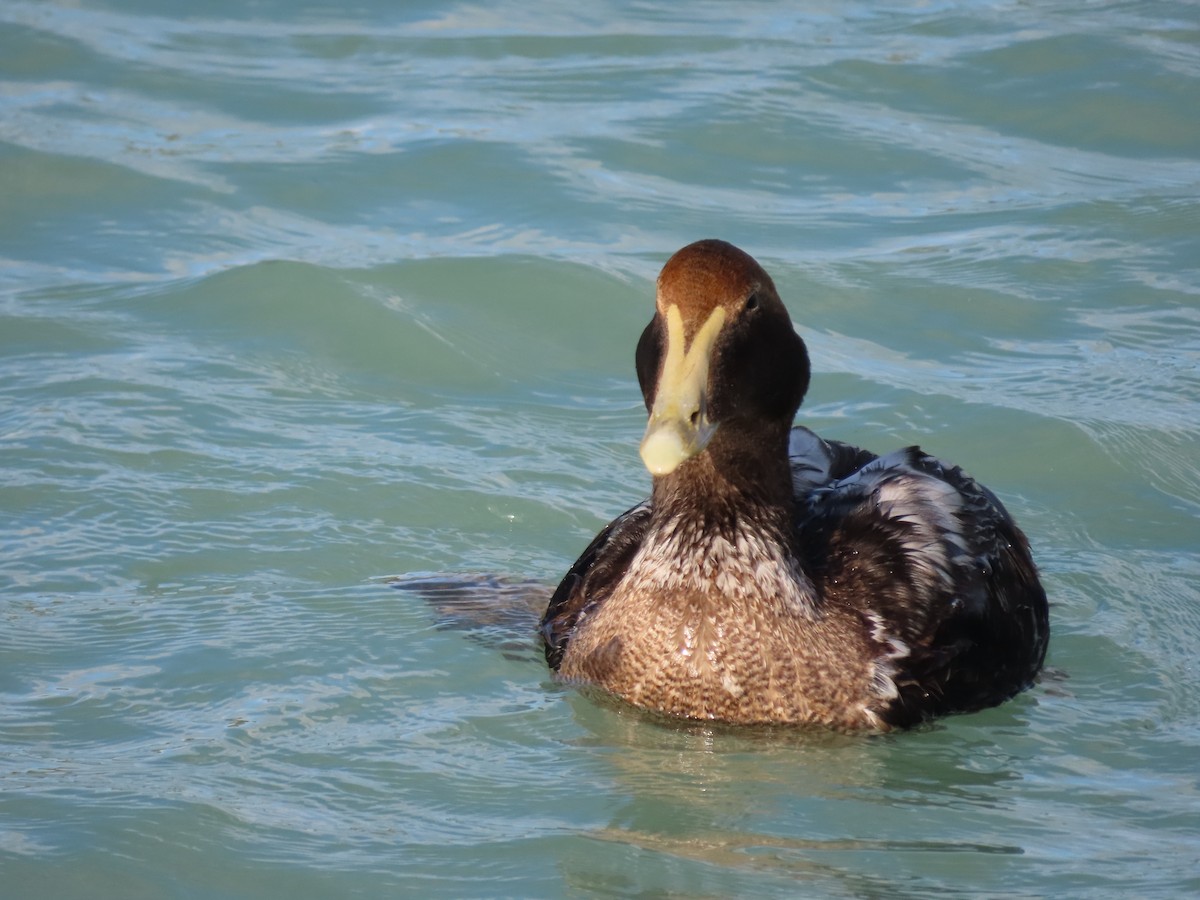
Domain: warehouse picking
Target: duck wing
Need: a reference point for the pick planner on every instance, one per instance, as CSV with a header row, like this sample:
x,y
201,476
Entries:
x,y
940,574
592,578
817,462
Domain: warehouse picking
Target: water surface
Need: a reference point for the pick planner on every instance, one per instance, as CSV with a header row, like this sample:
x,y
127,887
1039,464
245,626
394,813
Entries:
x,y
296,298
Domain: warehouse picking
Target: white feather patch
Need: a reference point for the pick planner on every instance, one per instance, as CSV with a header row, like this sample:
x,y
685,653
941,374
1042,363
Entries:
x,y
680,557
887,663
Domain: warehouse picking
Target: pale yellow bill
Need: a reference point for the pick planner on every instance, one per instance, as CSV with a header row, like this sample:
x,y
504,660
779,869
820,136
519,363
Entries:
x,y
679,427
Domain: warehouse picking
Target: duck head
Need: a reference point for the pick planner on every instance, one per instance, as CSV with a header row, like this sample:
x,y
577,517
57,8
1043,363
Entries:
x,y
719,361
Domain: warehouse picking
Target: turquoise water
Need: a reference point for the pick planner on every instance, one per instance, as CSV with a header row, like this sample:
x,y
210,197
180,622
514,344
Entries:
x,y
297,298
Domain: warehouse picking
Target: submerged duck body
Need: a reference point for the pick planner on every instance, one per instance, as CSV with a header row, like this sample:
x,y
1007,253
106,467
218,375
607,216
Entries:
x,y
776,577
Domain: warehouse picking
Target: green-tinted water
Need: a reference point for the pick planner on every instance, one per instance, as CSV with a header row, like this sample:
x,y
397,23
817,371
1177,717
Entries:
x,y
295,298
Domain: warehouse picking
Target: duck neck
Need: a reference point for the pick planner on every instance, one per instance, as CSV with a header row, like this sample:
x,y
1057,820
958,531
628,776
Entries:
x,y
726,529
738,482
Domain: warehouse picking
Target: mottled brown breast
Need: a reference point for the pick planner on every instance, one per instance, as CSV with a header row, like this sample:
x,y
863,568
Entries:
x,y
755,652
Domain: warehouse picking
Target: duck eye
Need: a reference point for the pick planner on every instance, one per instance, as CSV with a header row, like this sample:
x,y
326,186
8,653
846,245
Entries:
x,y
752,302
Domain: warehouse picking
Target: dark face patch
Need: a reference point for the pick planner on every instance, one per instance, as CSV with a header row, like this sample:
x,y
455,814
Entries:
x,y
650,350
760,368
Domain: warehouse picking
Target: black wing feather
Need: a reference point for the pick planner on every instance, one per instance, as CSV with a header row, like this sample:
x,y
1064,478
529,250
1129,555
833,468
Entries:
x,y
942,576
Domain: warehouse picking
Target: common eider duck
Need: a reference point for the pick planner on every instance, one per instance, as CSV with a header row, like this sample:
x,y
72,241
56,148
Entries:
x,y
777,577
